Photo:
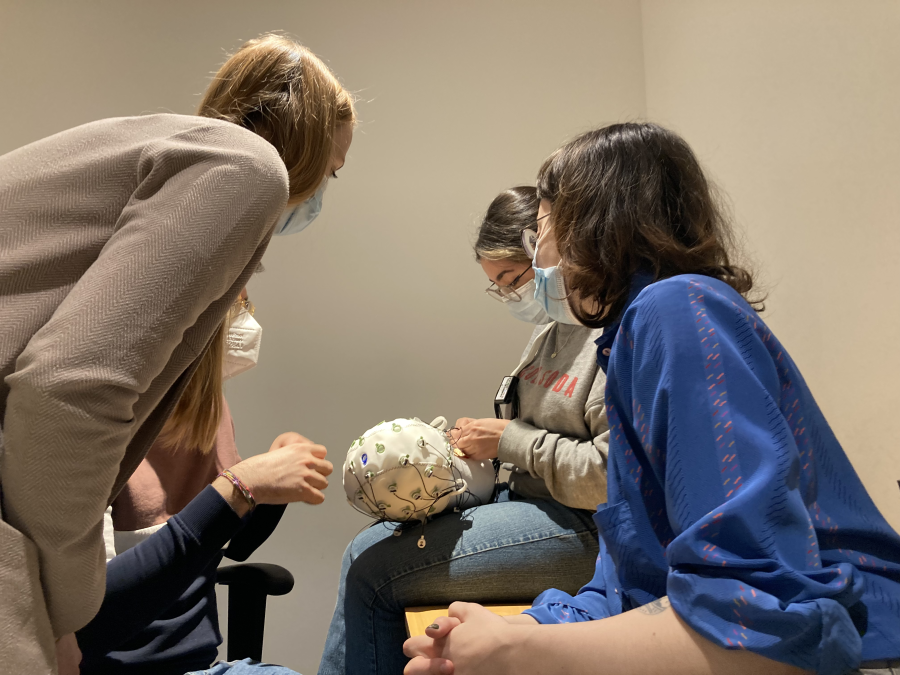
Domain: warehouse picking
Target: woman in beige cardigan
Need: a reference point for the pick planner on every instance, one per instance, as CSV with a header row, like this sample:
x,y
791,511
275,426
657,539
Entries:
x,y
123,244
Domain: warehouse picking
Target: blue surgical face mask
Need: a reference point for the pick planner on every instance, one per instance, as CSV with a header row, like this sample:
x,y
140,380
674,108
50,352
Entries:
x,y
550,293
297,218
528,309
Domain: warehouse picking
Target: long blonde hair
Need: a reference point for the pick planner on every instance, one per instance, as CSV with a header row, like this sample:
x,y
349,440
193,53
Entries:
x,y
194,422
277,88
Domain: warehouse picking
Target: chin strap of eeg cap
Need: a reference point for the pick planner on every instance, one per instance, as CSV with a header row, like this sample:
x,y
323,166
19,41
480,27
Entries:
x,y
440,423
459,481
459,490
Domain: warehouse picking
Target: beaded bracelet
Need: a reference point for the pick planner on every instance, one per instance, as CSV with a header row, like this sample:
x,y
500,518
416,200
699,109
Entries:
x,y
239,484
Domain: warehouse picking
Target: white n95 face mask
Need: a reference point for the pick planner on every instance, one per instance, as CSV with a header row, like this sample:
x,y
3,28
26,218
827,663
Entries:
x,y
528,309
241,345
298,218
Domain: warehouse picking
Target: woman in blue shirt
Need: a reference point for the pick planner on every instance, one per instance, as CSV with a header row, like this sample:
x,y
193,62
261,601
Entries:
x,y
735,523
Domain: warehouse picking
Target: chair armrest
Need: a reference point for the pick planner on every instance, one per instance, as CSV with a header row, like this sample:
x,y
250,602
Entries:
x,y
265,577
249,584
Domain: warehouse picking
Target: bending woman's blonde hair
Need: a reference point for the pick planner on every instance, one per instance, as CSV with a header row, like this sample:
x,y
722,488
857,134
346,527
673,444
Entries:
x,y
194,422
277,88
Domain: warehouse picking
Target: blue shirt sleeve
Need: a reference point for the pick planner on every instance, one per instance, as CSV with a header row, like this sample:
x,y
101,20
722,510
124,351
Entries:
x,y
700,391
591,602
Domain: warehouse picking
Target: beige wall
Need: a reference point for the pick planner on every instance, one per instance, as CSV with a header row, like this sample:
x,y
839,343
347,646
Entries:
x,y
794,108
377,310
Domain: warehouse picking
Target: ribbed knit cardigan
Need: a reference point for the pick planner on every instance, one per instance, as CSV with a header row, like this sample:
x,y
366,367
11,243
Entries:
x,y
122,245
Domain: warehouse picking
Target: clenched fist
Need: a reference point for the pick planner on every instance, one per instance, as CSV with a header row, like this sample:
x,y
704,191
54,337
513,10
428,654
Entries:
x,y
293,470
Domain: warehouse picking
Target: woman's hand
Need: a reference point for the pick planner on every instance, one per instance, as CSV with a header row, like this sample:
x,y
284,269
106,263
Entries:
x,y
426,650
293,470
287,438
471,641
478,439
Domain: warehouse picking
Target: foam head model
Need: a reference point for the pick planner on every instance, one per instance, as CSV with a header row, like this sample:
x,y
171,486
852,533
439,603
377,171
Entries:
x,y
405,470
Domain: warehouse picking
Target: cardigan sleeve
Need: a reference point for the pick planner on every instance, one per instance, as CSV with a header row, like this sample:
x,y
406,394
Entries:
x,y
205,204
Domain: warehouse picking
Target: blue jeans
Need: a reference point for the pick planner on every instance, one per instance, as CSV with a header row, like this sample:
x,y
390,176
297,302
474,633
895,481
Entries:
x,y
245,667
503,553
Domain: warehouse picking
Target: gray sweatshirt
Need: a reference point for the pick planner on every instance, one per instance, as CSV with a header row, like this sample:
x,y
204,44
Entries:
x,y
558,445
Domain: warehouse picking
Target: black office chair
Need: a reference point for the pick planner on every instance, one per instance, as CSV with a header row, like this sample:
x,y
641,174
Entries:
x,y
249,585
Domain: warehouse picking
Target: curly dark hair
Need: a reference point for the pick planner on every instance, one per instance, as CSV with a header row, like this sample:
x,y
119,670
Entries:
x,y
632,197
500,232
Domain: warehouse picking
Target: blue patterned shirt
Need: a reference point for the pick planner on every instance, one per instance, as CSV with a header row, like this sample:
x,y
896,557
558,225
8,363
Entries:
x,y
729,493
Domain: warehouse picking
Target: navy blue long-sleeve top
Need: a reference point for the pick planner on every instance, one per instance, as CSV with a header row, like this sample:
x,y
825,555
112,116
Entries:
x,y
729,493
159,614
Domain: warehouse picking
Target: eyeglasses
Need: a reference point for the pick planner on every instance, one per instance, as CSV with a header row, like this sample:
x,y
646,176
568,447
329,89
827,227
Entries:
x,y
506,293
243,305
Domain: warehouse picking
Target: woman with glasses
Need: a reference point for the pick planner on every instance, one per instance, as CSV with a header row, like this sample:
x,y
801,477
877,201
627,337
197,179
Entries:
x,y
540,530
